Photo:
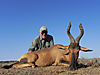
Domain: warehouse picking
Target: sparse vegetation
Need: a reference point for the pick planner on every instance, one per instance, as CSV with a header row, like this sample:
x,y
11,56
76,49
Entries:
x,y
85,67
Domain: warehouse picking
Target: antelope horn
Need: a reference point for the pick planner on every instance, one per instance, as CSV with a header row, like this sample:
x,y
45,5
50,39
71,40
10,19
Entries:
x,y
69,34
81,34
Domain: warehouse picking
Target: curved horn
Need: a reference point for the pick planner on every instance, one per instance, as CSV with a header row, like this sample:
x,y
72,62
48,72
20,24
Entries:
x,y
81,34
70,36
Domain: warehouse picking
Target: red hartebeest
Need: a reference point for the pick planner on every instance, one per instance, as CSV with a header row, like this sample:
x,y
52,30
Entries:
x,y
55,54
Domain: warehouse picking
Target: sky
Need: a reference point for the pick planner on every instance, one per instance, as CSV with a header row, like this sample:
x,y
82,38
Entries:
x,y
20,22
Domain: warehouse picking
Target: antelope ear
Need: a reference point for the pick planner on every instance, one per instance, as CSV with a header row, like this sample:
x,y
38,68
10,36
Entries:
x,y
85,49
66,52
63,47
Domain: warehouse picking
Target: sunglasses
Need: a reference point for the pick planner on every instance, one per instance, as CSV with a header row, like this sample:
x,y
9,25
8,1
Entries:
x,y
44,32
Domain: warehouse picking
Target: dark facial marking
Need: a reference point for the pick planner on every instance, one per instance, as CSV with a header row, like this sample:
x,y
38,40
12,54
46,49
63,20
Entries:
x,y
72,66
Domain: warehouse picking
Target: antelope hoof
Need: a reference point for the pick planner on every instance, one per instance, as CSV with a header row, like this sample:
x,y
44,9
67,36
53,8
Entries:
x,y
33,66
55,64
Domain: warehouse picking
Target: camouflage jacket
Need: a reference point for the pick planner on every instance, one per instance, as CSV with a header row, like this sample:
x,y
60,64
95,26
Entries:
x,y
40,43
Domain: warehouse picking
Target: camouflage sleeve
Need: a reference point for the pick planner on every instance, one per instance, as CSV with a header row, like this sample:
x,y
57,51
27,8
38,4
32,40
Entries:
x,y
33,47
51,42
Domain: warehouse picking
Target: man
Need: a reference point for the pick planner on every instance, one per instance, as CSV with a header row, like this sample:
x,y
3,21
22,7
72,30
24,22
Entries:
x,y
42,41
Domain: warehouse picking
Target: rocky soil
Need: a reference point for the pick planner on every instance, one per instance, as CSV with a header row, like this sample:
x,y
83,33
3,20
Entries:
x,y
85,67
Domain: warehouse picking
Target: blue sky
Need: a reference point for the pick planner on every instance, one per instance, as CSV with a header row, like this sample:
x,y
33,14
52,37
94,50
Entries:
x,y
20,22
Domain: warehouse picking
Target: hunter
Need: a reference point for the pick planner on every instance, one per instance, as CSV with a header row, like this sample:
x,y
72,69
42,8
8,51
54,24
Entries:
x,y
44,40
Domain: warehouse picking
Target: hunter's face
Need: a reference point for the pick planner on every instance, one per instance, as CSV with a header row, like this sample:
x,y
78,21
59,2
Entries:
x,y
43,34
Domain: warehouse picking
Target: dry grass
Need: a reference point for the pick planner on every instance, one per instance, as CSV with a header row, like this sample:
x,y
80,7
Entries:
x,y
85,67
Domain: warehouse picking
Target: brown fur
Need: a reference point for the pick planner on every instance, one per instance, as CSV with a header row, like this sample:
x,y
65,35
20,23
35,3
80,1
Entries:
x,y
49,56
45,57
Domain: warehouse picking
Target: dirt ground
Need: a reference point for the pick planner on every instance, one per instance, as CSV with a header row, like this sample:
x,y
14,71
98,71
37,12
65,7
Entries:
x,y
85,67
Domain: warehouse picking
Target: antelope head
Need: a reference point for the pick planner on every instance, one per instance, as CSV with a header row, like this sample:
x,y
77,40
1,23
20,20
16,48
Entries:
x,y
74,47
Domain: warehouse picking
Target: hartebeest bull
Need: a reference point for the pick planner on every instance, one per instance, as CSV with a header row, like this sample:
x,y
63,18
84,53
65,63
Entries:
x,y
55,54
